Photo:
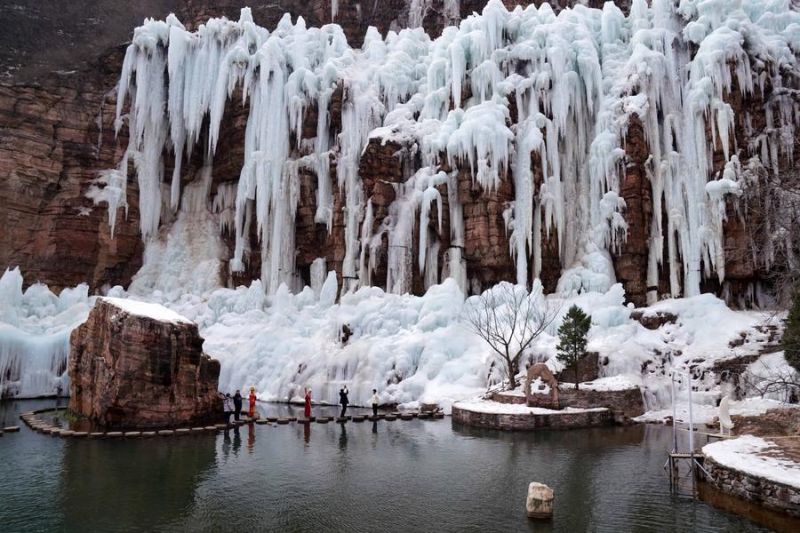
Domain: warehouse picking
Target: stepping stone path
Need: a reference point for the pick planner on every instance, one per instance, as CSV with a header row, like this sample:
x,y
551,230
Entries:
x,y
35,423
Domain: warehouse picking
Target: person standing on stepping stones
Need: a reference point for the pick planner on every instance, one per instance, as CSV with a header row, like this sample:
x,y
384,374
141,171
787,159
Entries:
x,y
237,404
251,413
343,400
375,401
227,406
307,410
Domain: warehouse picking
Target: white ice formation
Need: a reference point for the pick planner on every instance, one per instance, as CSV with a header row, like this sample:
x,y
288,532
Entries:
x,y
574,80
35,325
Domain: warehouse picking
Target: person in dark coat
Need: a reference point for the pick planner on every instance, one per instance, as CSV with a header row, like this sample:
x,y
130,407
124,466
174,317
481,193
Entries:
x,y
237,405
343,400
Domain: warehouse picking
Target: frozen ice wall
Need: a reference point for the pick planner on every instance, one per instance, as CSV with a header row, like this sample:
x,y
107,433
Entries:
x,y
571,81
34,336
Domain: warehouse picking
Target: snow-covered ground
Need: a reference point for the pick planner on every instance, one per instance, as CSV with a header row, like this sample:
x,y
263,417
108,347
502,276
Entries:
x,y
755,456
411,348
487,406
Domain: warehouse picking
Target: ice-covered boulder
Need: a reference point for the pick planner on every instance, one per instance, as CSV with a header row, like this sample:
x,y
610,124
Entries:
x,y
136,365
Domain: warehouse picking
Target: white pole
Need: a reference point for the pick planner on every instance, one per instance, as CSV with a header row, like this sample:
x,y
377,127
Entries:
x,y
691,420
674,416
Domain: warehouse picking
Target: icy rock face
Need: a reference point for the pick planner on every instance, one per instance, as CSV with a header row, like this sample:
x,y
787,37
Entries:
x,y
518,120
140,365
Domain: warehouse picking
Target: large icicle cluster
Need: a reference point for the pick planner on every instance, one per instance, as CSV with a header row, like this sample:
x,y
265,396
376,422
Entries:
x,y
35,325
574,80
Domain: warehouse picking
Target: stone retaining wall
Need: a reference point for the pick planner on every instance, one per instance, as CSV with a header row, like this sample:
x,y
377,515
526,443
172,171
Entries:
x,y
770,494
527,422
625,404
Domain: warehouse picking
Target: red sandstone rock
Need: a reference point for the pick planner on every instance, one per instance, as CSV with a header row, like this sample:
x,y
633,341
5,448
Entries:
x,y
133,371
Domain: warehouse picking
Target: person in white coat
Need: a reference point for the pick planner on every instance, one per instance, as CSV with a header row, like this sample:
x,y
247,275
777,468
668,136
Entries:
x,y
227,407
375,400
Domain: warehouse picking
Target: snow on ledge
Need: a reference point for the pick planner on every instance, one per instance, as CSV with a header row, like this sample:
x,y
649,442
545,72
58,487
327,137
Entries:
x,y
611,383
147,310
745,455
488,406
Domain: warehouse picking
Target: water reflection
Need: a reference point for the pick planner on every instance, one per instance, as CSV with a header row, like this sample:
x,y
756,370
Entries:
x,y
113,485
343,437
307,433
251,437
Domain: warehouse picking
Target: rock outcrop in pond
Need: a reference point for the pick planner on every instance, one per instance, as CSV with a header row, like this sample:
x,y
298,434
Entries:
x,y
138,365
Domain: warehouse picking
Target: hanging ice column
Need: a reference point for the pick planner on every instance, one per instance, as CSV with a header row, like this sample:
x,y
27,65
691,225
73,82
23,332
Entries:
x,y
570,82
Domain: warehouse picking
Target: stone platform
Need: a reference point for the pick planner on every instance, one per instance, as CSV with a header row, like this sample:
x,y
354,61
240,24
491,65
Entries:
x,y
515,417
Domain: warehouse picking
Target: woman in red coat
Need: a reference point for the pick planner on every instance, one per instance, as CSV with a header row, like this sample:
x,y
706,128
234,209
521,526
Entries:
x,y
252,399
307,411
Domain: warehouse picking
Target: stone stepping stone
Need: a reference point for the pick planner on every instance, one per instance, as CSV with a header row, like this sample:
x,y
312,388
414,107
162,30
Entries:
x,y
323,420
11,429
114,434
80,434
406,416
272,419
424,416
358,418
262,422
373,418
54,432
341,420
292,419
96,435
395,414
165,433
133,434
221,426
198,430
210,428
283,421
183,431
148,434
390,418
438,416
66,433
304,420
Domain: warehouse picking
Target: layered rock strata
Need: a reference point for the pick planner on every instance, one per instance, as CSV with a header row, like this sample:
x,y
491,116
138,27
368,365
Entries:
x,y
141,366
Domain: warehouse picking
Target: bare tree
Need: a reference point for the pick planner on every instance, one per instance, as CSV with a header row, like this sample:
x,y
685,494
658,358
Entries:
x,y
780,382
509,319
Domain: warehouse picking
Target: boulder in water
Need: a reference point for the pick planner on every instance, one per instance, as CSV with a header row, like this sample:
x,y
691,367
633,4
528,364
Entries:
x,y
139,365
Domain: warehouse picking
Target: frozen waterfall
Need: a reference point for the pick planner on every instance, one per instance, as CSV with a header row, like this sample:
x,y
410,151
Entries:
x,y
574,81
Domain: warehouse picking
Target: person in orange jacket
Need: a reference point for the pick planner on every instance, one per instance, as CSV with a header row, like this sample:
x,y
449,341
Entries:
x,y
252,398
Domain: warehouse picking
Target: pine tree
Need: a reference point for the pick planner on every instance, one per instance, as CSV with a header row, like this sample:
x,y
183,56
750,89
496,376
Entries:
x,y
791,335
572,338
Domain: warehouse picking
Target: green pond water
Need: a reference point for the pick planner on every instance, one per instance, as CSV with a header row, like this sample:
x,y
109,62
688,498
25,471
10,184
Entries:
x,y
371,477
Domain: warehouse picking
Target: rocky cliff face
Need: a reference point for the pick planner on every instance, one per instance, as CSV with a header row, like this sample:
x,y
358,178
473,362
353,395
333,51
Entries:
x,y
130,370
57,133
